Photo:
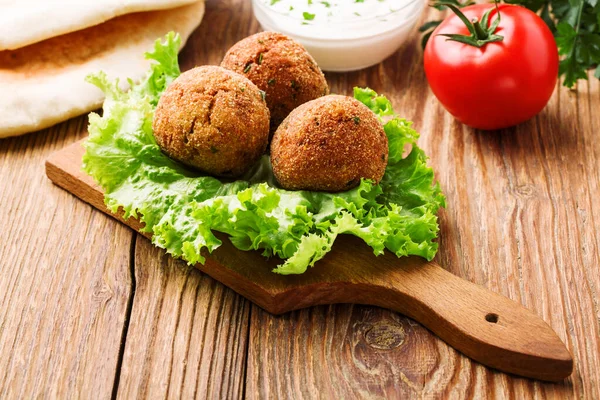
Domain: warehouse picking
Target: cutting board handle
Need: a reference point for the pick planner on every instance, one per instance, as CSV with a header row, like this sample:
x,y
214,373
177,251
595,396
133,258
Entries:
x,y
481,324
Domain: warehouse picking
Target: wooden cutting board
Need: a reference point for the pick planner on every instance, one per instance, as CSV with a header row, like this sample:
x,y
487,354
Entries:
x,y
481,324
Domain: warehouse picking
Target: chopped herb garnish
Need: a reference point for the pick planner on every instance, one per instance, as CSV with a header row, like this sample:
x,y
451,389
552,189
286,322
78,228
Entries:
x,y
273,2
271,81
308,16
295,85
247,68
260,58
333,11
356,119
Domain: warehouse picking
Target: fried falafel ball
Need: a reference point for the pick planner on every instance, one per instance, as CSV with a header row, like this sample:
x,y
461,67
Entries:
x,y
214,120
329,144
282,68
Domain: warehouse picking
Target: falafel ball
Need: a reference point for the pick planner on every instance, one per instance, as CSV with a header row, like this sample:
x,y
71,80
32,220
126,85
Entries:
x,y
282,68
329,144
214,120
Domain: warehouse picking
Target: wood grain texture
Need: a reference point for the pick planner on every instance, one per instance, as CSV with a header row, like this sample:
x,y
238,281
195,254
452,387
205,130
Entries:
x,y
520,221
187,333
64,280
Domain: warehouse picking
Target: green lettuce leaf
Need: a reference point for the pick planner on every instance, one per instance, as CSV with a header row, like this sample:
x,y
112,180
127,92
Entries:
x,y
182,210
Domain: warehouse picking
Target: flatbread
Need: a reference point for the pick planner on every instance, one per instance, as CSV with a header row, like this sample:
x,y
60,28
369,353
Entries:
x,y
43,84
23,22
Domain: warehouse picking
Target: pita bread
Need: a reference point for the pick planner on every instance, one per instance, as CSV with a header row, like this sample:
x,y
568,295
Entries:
x,y
23,22
43,84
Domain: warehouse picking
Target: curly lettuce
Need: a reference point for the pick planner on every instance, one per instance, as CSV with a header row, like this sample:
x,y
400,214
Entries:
x,y
183,210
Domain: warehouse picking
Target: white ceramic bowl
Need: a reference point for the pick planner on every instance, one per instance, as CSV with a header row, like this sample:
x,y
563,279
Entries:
x,y
349,45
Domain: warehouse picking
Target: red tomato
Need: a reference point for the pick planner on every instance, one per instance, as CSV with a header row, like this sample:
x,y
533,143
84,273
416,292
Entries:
x,y
500,84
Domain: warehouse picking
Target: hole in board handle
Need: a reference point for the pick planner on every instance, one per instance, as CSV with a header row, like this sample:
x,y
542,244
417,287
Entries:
x,y
492,318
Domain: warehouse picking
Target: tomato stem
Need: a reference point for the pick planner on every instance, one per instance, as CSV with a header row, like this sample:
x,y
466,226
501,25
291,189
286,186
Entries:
x,y
481,33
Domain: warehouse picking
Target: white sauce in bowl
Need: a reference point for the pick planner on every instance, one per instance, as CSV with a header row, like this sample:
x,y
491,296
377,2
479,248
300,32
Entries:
x,y
342,35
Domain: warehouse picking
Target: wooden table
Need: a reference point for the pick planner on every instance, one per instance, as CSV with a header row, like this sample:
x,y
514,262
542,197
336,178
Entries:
x,y
90,309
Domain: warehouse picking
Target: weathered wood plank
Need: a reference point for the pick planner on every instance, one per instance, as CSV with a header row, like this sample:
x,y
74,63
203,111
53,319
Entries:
x,y
65,279
520,220
572,156
187,334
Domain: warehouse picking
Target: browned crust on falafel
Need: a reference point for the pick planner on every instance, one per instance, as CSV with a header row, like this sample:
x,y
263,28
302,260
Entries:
x,y
282,68
214,120
329,144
